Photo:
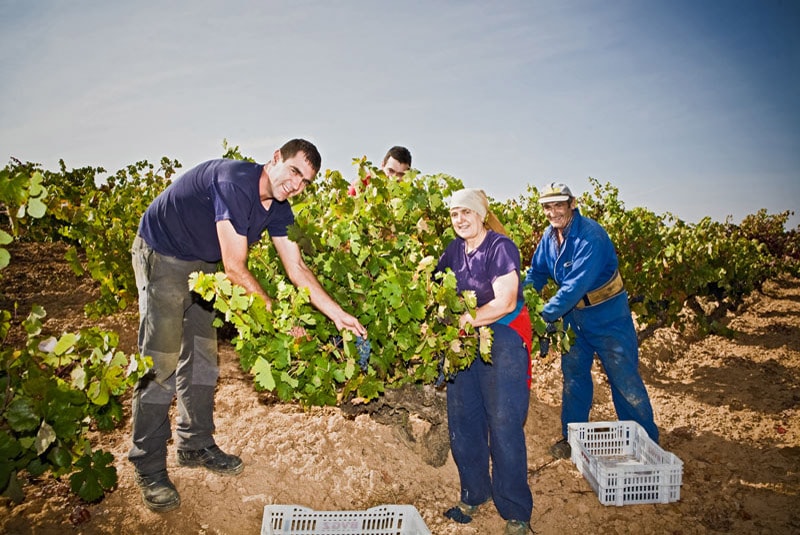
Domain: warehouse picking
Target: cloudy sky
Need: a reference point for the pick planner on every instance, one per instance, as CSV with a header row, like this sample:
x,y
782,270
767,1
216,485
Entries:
x,y
688,106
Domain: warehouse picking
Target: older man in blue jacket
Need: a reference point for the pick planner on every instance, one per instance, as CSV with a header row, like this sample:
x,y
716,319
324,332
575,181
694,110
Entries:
x,y
577,253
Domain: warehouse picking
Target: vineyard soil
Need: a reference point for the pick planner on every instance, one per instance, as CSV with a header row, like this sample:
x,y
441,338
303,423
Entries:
x,y
728,408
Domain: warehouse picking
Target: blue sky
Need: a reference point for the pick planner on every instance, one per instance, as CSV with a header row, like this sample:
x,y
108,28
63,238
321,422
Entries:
x,y
687,106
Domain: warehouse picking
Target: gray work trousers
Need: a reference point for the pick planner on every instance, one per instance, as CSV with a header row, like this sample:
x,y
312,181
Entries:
x,y
176,330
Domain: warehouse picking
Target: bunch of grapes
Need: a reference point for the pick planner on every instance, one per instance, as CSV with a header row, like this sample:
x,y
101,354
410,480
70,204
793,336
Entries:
x,y
364,350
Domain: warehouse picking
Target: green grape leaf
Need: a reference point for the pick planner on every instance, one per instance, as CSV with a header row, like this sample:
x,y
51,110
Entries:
x,y
37,467
10,448
96,474
78,377
98,392
370,388
44,438
60,457
289,380
65,343
36,188
262,371
10,485
21,415
36,208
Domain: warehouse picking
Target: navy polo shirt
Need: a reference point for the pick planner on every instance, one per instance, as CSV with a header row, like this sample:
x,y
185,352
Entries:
x,y
181,221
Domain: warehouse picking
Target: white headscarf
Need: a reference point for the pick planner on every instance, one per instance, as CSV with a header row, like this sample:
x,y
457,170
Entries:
x,y
475,200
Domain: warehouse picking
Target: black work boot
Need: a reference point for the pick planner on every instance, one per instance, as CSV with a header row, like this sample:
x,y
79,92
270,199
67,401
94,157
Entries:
x,y
561,449
158,492
212,458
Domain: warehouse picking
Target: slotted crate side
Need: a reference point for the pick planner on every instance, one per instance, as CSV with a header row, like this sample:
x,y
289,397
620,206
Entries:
x,y
601,440
632,484
623,465
381,520
651,453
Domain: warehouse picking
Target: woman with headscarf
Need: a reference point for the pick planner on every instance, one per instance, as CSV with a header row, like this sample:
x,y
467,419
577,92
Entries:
x,y
487,403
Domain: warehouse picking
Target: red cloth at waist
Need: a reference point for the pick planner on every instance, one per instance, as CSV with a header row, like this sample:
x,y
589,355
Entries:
x,y
522,326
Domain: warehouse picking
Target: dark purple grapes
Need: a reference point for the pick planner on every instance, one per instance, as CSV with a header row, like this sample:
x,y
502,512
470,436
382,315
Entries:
x,y
544,346
364,350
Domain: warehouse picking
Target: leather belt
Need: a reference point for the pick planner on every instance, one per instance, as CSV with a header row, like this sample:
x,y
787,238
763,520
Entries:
x,y
608,290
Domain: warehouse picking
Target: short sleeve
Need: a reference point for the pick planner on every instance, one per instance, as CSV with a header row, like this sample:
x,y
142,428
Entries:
x,y
505,258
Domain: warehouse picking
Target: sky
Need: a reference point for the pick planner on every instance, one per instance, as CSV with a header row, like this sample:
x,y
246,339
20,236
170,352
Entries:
x,y
690,107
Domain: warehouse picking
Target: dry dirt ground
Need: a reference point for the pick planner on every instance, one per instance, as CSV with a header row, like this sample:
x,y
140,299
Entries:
x,y
728,408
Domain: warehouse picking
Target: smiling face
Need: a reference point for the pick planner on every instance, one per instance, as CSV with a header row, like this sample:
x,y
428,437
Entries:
x,y
467,223
289,177
559,214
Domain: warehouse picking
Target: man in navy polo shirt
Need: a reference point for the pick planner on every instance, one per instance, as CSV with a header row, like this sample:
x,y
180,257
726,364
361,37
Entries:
x,y
212,213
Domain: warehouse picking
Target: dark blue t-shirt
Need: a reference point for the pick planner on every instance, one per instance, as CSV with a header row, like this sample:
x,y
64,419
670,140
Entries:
x,y
495,257
181,221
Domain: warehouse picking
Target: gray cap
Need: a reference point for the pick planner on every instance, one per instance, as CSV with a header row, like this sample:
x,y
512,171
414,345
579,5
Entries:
x,y
555,192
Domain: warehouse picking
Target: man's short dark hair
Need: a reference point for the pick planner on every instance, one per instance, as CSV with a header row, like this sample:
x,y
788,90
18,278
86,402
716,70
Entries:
x,y
401,154
293,146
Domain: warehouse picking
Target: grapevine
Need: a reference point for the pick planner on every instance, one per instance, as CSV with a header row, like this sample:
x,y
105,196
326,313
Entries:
x,y
374,253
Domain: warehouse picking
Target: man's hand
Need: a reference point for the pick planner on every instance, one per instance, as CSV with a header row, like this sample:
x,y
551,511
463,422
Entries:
x,y
346,321
544,340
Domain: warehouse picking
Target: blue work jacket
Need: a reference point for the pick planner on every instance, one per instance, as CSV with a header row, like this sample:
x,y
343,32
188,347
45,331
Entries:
x,y
585,261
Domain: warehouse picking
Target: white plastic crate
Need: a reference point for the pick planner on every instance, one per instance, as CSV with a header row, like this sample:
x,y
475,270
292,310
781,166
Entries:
x,y
381,520
623,464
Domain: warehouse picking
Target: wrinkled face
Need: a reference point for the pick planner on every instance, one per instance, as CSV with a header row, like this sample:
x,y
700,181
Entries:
x,y
289,177
393,168
467,223
559,214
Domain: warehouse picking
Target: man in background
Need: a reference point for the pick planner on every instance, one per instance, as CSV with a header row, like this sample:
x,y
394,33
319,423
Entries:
x,y
395,164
